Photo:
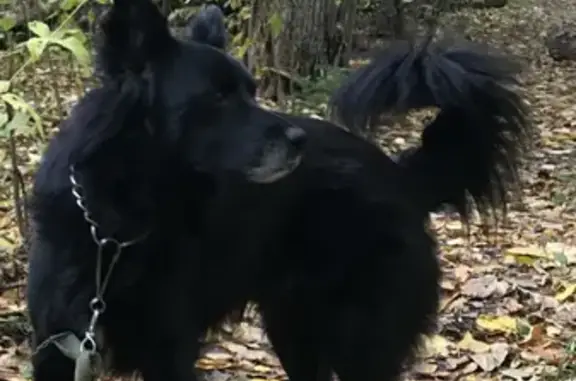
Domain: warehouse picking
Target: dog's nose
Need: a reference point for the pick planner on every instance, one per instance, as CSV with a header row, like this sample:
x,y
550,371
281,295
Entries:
x,y
296,136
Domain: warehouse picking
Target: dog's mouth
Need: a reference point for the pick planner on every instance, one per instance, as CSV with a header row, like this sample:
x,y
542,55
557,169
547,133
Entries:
x,y
276,162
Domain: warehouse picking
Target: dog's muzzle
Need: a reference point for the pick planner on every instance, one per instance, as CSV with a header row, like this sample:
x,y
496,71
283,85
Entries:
x,y
280,157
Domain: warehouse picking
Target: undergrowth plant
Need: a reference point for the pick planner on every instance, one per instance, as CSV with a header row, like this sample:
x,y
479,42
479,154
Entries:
x,y
20,120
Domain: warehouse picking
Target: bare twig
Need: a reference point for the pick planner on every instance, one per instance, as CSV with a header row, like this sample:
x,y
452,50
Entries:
x,y
18,187
11,286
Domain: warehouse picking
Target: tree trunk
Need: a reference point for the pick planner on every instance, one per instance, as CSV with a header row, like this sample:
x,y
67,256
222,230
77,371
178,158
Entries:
x,y
296,39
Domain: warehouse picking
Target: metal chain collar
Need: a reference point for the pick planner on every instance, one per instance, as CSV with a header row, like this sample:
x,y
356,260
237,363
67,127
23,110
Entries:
x,y
97,304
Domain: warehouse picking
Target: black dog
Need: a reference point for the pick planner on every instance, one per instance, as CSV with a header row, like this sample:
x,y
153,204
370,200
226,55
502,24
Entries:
x,y
216,202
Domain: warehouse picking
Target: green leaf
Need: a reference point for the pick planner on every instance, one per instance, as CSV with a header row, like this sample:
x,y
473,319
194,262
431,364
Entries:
x,y
56,35
78,34
75,46
4,133
19,124
245,13
240,49
15,101
18,104
68,32
276,24
234,4
4,86
36,46
237,38
39,28
67,5
7,23
3,118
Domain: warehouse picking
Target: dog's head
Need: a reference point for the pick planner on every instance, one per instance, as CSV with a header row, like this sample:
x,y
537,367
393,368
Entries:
x,y
199,101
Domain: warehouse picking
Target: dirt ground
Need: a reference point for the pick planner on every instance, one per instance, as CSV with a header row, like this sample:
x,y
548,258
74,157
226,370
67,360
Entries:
x,y
509,308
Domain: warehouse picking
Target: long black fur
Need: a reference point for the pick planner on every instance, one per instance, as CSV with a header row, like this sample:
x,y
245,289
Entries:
x,y
335,251
479,135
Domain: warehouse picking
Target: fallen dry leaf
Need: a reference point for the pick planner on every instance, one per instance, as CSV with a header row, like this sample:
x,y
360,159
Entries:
x,y
493,323
568,291
492,359
469,343
484,287
436,346
425,368
550,355
535,336
519,374
527,251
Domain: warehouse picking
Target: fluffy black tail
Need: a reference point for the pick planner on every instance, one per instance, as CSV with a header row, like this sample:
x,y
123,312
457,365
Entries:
x,y
471,152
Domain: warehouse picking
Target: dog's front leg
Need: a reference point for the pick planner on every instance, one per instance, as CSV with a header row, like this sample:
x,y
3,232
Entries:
x,y
50,364
173,361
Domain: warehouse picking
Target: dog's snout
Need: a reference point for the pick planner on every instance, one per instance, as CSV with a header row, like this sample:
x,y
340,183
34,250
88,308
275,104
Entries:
x,y
296,136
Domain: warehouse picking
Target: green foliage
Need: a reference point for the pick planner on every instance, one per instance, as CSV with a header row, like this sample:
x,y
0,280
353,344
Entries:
x,y
7,23
241,42
17,117
276,24
314,94
72,40
17,114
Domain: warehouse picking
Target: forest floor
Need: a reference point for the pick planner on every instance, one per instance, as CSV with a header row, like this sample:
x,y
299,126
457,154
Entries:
x,y
509,303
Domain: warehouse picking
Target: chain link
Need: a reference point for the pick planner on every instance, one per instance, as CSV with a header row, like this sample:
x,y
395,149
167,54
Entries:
x,y
97,304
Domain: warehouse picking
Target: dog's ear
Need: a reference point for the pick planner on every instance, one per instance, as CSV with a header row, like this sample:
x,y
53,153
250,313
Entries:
x,y
207,27
134,35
